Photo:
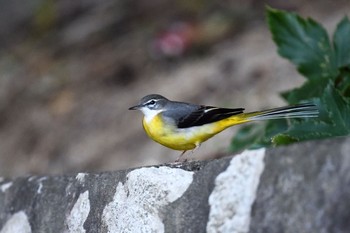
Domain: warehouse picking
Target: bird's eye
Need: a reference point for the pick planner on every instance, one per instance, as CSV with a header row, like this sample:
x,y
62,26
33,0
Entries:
x,y
152,102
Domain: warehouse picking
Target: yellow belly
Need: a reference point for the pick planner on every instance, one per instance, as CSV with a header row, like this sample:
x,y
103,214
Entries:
x,y
187,138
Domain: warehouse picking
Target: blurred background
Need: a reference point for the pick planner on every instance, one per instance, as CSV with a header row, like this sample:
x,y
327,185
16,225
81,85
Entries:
x,y
69,70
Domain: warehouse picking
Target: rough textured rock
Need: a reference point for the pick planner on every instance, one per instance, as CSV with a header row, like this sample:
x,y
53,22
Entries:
x,y
300,188
305,188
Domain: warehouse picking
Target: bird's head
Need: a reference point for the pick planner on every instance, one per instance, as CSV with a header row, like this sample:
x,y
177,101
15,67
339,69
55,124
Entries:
x,y
151,105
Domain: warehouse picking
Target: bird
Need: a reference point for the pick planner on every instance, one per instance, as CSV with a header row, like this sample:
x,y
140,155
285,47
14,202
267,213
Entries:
x,y
185,126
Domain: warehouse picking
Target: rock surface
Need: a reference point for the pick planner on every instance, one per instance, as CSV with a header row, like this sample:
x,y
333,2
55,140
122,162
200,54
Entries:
x,y
299,188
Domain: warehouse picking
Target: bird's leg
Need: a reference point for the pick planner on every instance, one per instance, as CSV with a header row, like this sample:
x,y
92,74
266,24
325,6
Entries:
x,y
197,146
192,151
178,159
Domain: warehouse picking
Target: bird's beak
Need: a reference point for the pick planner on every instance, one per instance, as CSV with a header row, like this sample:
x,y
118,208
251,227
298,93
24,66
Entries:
x,y
136,107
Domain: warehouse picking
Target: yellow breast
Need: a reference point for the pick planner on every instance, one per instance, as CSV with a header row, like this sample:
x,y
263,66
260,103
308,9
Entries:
x,y
170,136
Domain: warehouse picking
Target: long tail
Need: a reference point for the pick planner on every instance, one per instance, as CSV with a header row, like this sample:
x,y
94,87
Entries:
x,y
293,111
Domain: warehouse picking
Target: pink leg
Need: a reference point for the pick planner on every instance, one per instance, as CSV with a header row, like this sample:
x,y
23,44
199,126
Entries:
x,y
178,159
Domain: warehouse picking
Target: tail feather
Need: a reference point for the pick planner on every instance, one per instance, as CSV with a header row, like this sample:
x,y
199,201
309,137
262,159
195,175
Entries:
x,y
294,111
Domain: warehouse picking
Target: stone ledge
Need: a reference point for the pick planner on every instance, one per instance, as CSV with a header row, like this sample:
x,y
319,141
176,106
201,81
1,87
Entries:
x,y
300,188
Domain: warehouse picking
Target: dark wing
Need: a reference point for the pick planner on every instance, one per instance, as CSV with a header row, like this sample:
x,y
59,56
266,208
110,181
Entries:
x,y
205,115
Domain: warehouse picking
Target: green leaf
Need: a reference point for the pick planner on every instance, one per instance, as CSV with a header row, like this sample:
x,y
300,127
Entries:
x,y
296,130
341,42
246,136
257,135
304,42
338,109
309,129
342,82
334,118
309,90
282,139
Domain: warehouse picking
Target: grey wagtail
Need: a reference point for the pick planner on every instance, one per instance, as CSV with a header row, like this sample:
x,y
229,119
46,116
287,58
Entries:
x,y
184,126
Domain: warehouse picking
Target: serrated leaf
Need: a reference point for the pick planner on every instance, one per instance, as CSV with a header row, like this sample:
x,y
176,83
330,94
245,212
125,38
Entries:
x,y
309,90
304,42
338,108
341,41
310,129
342,82
334,118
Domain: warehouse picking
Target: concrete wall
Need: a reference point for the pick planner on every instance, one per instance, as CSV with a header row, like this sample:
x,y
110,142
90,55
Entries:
x,y
299,188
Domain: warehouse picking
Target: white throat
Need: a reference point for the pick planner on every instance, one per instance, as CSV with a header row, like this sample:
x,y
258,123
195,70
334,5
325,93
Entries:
x,y
149,114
